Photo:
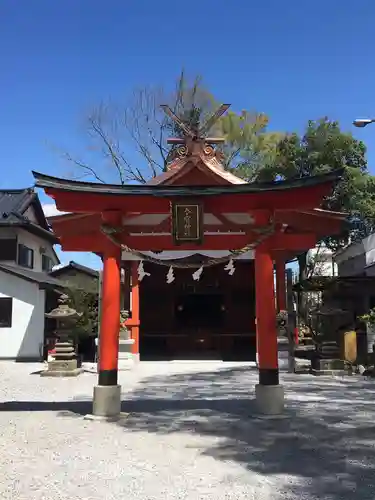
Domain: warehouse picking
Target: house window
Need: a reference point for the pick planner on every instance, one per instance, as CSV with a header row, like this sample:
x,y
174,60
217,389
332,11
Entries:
x,y
25,256
46,263
6,305
8,249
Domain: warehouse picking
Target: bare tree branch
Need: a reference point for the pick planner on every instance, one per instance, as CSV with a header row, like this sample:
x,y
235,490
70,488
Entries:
x,y
83,166
131,137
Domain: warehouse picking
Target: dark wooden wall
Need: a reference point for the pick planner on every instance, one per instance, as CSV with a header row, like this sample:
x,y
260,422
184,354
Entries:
x,y
158,303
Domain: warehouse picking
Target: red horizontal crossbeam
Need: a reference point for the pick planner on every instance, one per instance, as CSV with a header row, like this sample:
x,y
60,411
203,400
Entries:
x,y
96,242
93,222
146,243
297,198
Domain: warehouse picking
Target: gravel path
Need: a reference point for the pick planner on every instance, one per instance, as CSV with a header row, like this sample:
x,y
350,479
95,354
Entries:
x,y
190,433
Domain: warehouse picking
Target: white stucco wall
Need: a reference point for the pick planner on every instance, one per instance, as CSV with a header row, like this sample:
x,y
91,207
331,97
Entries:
x,y
26,336
35,242
31,241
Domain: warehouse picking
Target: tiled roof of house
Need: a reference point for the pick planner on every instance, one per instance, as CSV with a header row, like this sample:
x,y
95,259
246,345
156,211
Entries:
x,y
14,202
44,279
13,205
77,267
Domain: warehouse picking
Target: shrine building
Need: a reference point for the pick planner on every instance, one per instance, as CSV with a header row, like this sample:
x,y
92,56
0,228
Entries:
x,y
199,247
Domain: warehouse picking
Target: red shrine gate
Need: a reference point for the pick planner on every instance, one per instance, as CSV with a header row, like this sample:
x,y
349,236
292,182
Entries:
x,y
195,206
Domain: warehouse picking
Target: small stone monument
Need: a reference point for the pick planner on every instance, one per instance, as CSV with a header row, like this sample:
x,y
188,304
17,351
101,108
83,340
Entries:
x,y
65,363
125,357
326,359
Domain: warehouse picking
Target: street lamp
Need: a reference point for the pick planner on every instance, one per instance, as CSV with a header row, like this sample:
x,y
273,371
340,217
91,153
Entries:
x,y
363,122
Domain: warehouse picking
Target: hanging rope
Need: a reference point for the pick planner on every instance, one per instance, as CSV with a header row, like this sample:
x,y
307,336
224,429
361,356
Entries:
x,y
111,233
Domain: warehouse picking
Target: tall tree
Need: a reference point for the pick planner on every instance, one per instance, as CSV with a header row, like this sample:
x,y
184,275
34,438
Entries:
x,y
249,148
325,147
245,135
130,139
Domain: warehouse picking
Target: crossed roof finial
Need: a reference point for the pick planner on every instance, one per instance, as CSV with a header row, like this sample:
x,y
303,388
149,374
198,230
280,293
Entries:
x,y
191,134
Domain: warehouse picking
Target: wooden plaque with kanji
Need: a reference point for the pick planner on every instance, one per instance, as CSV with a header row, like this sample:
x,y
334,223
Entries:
x,y
187,222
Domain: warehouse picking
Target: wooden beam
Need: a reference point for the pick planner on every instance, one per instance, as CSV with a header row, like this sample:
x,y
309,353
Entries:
x,y
85,224
97,203
261,217
322,224
297,198
92,224
288,242
146,243
227,225
165,226
92,242
97,242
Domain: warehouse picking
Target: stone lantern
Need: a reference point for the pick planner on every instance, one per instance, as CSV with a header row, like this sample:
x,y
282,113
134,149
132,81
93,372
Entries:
x,y
65,362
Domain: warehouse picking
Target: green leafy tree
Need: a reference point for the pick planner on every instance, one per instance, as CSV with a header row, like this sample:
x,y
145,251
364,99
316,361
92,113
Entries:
x,y
248,147
86,303
325,147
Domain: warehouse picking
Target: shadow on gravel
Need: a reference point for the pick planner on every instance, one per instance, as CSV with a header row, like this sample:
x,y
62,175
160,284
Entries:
x,y
325,439
75,407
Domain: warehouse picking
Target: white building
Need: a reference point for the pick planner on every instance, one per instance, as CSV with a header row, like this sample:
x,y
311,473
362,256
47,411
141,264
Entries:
x,y
357,259
321,261
26,257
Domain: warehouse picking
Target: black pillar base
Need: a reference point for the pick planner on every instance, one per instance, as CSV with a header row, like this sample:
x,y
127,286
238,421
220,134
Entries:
x,y
108,377
268,376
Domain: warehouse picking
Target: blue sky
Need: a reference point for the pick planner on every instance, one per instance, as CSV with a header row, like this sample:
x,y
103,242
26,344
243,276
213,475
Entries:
x,y
292,60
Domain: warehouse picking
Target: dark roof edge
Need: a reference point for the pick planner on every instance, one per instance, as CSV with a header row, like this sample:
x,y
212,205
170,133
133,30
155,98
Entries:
x,y
39,211
79,267
27,200
46,181
42,283
17,191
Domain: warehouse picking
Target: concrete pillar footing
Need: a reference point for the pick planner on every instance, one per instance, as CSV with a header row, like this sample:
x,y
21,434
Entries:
x,y
107,401
97,418
269,399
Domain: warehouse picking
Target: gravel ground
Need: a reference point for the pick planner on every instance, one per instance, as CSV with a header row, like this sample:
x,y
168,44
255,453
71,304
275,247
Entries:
x,y
190,433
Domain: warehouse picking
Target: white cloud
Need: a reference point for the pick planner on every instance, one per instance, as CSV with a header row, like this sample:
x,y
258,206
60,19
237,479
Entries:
x,y
58,266
50,210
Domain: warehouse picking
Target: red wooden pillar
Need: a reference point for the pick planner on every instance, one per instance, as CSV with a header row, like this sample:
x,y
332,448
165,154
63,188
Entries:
x,y
135,308
280,286
110,316
266,320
